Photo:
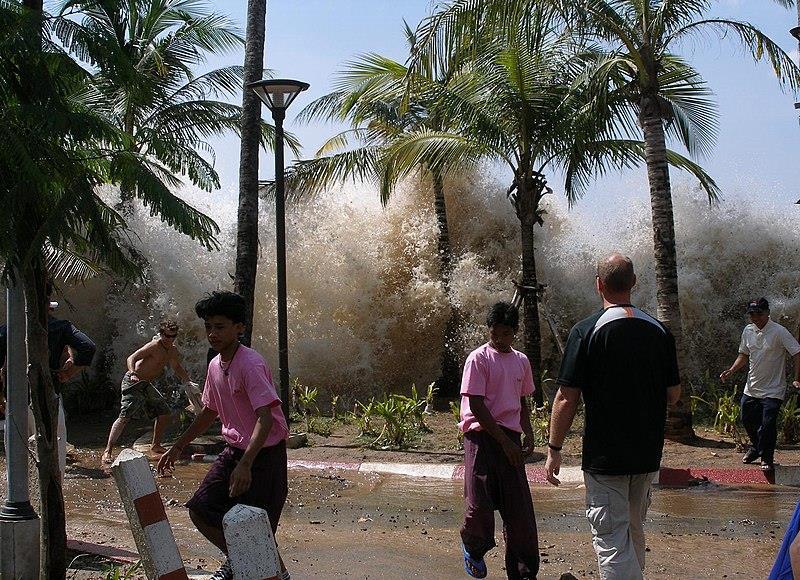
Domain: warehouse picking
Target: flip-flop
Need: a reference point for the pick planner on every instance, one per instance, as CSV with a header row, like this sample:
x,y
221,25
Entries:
x,y
473,567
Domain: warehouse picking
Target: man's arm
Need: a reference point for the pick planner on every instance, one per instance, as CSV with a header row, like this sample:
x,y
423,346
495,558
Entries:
x,y
794,556
175,363
796,360
564,408
740,362
199,426
241,475
488,424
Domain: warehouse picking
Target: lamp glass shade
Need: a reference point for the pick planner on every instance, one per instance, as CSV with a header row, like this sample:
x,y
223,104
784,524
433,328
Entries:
x,y
278,94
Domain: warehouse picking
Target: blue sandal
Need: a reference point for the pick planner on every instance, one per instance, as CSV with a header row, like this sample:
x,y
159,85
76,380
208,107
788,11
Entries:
x,y
473,567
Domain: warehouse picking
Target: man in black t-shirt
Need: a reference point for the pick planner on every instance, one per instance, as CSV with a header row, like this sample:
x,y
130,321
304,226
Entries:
x,y
623,362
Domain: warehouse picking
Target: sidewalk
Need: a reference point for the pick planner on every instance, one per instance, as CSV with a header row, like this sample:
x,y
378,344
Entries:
x,y
667,477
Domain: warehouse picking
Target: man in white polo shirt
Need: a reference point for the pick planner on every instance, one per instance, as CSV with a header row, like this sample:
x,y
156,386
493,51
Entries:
x,y
764,346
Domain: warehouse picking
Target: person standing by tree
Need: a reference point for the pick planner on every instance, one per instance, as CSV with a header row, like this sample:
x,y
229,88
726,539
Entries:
x,y
494,415
763,350
70,352
623,362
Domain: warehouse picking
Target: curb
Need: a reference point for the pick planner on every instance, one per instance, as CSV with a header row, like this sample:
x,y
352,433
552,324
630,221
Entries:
x,y
667,476
788,475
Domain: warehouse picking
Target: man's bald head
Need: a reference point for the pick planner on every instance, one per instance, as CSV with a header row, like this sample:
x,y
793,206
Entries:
x,y
616,273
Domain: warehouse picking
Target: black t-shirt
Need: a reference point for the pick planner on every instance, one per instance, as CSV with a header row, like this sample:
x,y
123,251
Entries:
x,y
622,359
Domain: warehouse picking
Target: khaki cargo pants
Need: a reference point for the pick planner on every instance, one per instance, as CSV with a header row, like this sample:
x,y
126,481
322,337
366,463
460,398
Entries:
x,y
616,507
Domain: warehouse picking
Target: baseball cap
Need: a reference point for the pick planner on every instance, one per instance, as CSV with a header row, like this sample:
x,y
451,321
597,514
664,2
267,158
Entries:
x,y
758,305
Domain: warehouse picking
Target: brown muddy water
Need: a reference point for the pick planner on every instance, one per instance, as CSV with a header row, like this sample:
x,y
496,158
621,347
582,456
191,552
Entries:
x,y
343,524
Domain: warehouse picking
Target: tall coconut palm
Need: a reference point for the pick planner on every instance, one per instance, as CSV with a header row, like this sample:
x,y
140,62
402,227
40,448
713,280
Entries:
x,y
370,96
54,153
641,40
640,68
247,218
535,114
145,54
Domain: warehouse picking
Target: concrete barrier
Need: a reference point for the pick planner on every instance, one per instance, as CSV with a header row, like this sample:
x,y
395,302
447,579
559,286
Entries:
x,y
251,547
151,530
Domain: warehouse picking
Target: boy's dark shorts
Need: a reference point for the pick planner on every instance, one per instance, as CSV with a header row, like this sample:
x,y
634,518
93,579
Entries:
x,y
141,400
268,487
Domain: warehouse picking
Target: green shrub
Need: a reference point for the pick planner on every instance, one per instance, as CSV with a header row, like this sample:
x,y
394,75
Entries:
x,y
789,420
455,411
540,422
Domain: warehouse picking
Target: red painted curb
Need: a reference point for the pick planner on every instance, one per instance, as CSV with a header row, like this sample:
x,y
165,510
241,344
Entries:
x,y
692,476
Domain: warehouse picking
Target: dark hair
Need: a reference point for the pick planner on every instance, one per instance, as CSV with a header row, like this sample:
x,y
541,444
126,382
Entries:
x,y
616,273
168,325
503,313
227,304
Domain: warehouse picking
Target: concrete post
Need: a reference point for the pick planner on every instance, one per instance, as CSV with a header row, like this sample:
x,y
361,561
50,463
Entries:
x,y
19,524
148,520
251,547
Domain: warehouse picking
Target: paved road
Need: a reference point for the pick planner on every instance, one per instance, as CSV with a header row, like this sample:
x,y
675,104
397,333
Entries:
x,y
342,524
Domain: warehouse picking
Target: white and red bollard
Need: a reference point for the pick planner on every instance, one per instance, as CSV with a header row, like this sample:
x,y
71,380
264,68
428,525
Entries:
x,y
252,552
151,530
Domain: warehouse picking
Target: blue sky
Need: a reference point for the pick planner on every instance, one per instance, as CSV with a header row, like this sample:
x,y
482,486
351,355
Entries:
x,y
759,142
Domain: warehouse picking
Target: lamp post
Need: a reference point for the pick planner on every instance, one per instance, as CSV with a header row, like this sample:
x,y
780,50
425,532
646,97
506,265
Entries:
x,y
19,524
278,94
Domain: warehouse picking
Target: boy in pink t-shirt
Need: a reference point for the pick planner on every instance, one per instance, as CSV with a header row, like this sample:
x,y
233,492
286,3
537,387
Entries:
x,y
494,415
239,390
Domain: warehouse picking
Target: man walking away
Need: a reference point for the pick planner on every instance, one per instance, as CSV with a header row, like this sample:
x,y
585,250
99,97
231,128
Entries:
x,y
623,362
763,349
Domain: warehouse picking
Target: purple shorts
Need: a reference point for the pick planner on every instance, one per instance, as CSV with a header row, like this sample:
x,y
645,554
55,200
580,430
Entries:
x,y
268,487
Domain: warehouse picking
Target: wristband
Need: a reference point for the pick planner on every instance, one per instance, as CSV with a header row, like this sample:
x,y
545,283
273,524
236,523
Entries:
x,y
554,447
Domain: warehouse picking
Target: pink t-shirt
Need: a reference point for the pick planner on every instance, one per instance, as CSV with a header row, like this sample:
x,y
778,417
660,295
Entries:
x,y
235,397
502,379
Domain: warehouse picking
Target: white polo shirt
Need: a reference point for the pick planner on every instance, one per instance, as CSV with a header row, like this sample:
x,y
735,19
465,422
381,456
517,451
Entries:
x,y
767,350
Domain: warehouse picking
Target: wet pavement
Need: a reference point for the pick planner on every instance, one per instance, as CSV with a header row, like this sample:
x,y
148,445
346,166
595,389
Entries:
x,y
344,524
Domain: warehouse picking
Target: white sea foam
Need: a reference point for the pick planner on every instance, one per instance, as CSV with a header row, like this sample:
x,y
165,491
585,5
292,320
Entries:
x,y
367,310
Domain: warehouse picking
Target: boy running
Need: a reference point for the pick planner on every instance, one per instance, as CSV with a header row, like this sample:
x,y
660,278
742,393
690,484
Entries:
x,y
139,395
239,390
494,414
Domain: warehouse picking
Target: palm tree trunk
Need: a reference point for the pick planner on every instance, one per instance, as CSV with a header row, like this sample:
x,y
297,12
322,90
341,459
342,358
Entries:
x,y
679,419
530,313
44,402
448,383
247,221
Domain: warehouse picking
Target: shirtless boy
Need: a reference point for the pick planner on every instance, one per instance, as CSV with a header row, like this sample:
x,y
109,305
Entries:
x,y
139,396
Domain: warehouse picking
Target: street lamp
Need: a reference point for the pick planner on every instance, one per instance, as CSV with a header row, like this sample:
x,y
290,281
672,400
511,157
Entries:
x,y
19,524
278,94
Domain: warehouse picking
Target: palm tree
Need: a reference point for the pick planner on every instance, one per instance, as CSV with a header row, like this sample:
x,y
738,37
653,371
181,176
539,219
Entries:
x,y
535,113
144,54
654,93
641,69
54,153
247,221
370,96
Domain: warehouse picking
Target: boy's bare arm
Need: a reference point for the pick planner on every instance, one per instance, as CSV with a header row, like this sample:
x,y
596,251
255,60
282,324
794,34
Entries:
x,y
525,422
488,424
199,426
175,363
241,475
